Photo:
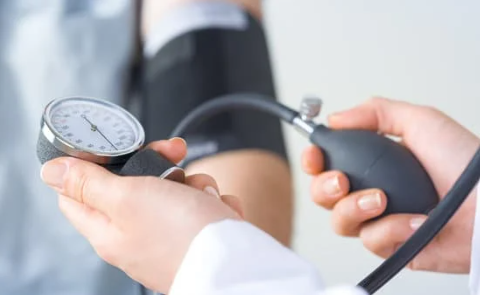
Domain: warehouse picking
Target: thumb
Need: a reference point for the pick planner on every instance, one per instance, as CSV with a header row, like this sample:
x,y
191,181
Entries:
x,y
174,149
378,114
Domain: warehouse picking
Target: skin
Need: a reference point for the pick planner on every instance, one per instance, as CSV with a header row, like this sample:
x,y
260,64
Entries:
x,y
126,219
120,215
444,148
261,179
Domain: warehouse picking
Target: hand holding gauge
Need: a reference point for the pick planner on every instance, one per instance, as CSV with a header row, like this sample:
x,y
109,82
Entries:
x,y
101,132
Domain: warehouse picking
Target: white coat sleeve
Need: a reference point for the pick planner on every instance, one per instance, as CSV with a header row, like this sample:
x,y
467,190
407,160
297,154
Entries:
x,y
475,256
236,258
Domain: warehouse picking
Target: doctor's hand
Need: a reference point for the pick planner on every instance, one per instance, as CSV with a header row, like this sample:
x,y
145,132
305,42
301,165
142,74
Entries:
x,y
142,225
443,146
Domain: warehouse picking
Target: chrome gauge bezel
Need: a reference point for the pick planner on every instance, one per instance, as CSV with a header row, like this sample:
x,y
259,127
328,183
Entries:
x,y
71,149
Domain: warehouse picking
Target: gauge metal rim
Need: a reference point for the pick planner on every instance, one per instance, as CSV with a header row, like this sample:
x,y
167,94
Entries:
x,y
110,158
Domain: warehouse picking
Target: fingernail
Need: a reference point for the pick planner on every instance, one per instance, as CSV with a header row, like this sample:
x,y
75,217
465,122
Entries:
x,y
336,115
53,173
370,202
178,138
415,223
331,186
211,191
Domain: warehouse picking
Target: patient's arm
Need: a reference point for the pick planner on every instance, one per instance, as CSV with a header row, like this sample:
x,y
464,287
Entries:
x,y
259,177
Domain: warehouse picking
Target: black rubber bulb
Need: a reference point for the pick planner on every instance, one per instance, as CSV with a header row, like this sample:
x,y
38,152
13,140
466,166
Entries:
x,y
371,160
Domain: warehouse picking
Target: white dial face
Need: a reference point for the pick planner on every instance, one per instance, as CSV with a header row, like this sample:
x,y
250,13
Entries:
x,y
94,126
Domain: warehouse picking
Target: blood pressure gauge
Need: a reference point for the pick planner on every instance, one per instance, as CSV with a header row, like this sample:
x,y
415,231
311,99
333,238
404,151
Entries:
x,y
100,132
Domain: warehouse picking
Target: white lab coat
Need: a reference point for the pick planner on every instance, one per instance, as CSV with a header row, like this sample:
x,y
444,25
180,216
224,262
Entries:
x,y
475,256
236,258
233,257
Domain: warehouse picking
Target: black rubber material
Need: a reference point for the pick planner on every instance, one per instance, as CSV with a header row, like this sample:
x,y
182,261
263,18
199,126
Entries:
x,y
437,219
250,101
147,162
367,158
203,64
371,160
46,152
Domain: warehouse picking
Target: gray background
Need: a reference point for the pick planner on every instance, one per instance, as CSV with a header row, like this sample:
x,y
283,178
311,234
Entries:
x,y
427,52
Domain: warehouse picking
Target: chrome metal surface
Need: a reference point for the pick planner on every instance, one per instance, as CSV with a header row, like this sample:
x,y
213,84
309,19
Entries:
x,y
310,108
305,127
112,157
174,174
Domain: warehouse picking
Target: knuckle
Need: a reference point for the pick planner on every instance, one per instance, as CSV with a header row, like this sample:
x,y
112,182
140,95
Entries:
x,y
370,245
341,231
370,242
414,265
338,228
431,111
327,190
389,232
377,102
374,100
341,225
207,180
322,200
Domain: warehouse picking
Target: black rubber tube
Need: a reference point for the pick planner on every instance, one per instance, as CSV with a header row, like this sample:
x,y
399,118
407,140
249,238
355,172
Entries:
x,y
234,102
437,219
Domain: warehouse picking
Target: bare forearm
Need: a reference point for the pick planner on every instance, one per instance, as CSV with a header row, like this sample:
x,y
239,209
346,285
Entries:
x,y
260,179
263,183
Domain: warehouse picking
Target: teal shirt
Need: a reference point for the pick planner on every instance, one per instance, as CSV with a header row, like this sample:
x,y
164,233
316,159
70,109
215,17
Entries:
x,y
50,49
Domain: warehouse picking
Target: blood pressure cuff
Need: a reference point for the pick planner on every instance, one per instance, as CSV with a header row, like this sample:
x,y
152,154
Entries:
x,y
204,64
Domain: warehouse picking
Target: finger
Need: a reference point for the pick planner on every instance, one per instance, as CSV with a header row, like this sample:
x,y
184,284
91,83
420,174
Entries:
x,y
234,203
85,182
209,185
351,212
312,160
88,222
328,188
205,183
174,149
384,236
377,114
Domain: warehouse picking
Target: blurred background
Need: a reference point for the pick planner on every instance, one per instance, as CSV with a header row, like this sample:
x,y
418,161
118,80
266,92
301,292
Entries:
x,y
426,52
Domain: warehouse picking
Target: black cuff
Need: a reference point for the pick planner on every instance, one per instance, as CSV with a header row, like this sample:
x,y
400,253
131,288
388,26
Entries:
x,y
204,64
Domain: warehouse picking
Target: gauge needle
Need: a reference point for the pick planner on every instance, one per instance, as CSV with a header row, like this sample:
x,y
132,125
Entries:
x,y
95,128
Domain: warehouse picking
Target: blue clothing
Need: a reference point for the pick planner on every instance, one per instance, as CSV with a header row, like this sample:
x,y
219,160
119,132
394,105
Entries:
x,y
50,49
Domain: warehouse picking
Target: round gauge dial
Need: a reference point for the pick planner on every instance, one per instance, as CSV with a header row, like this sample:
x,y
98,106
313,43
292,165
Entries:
x,y
93,126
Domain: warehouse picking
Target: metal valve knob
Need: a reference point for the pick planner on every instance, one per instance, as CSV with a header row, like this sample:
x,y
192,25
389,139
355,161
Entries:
x,y
310,108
